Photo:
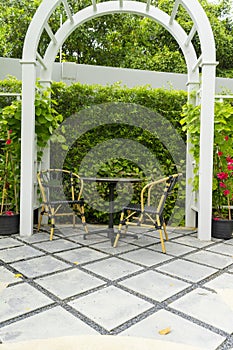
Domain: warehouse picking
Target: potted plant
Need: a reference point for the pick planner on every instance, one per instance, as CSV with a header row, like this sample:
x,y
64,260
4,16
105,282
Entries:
x,y
9,181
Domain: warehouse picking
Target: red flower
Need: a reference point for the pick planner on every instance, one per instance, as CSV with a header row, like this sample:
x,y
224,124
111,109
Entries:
x,y
221,184
10,131
8,142
220,153
222,176
229,160
230,167
216,219
226,138
226,192
9,213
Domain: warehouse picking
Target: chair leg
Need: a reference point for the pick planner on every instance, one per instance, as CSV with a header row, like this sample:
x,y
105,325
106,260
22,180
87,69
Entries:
x,y
40,219
81,210
160,234
74,219
114,243
165,231
52,223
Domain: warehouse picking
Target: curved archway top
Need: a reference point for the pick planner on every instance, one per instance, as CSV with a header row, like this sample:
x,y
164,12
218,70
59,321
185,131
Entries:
x,y
129,7
201,25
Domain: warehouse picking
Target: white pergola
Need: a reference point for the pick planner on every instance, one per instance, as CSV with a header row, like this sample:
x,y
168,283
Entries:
x,y
204,85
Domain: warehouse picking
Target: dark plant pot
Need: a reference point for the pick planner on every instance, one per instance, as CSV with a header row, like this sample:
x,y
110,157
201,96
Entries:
x,y
222,229
9,224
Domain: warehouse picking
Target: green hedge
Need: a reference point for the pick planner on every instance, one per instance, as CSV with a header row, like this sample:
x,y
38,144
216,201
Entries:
x,y
117,107
113,105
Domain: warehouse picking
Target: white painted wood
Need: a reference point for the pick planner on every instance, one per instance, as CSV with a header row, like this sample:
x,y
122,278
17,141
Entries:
x,y
207,59
27,148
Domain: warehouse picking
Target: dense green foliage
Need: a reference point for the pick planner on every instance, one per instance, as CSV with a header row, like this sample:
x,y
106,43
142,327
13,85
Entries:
x,y
114,114
120,40
222,153
114,121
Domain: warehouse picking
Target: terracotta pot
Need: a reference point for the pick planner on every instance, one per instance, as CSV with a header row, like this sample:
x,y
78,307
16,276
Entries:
x,y
222,228
9,224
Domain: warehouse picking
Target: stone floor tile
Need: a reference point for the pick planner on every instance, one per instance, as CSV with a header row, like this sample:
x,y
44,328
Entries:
x,y
8,276
19,253
36,237
90,240
142,241
121,247
173,248
224,281
112,268
137,229
175,232
229,241
208,307
187,270
8,242
146,257
56,245
222,248
39,266
211,259
110,306
81,255
68,283
51,323
182,331
69,230
193,241
20,299
154,285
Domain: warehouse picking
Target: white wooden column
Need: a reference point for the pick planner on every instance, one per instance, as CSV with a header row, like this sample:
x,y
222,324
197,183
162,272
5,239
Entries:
x,y
27,148
190,213
206,151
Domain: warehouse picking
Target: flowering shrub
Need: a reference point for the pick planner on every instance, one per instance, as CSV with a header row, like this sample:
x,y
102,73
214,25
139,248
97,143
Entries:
x,y
47,120
222,194
9,171
223,176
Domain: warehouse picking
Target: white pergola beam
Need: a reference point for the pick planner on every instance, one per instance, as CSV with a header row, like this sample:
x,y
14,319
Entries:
x,y
135,7
40,60
67,9
197,64
50,33
191,35
148,3
206,59
94,5
174,11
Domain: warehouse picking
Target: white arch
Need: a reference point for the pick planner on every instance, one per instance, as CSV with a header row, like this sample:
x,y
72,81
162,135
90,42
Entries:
x,y
207,61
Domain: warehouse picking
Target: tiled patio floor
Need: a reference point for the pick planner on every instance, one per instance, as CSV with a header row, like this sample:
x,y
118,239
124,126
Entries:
x,y
72,286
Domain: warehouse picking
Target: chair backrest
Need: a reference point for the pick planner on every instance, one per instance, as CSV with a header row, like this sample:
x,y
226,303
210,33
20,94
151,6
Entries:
x,y
58,185
161,189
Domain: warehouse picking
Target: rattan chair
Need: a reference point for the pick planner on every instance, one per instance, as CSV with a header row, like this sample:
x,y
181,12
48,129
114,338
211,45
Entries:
x,y
61,192
150,212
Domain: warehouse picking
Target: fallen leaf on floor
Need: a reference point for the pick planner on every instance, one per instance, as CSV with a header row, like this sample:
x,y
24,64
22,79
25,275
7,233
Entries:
x,y
165,331
18,275
76,262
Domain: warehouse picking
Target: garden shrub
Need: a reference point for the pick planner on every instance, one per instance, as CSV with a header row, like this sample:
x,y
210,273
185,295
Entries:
x,y
79,99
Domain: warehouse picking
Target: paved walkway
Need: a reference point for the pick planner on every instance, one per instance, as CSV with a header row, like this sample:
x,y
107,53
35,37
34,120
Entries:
x,y
74,287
